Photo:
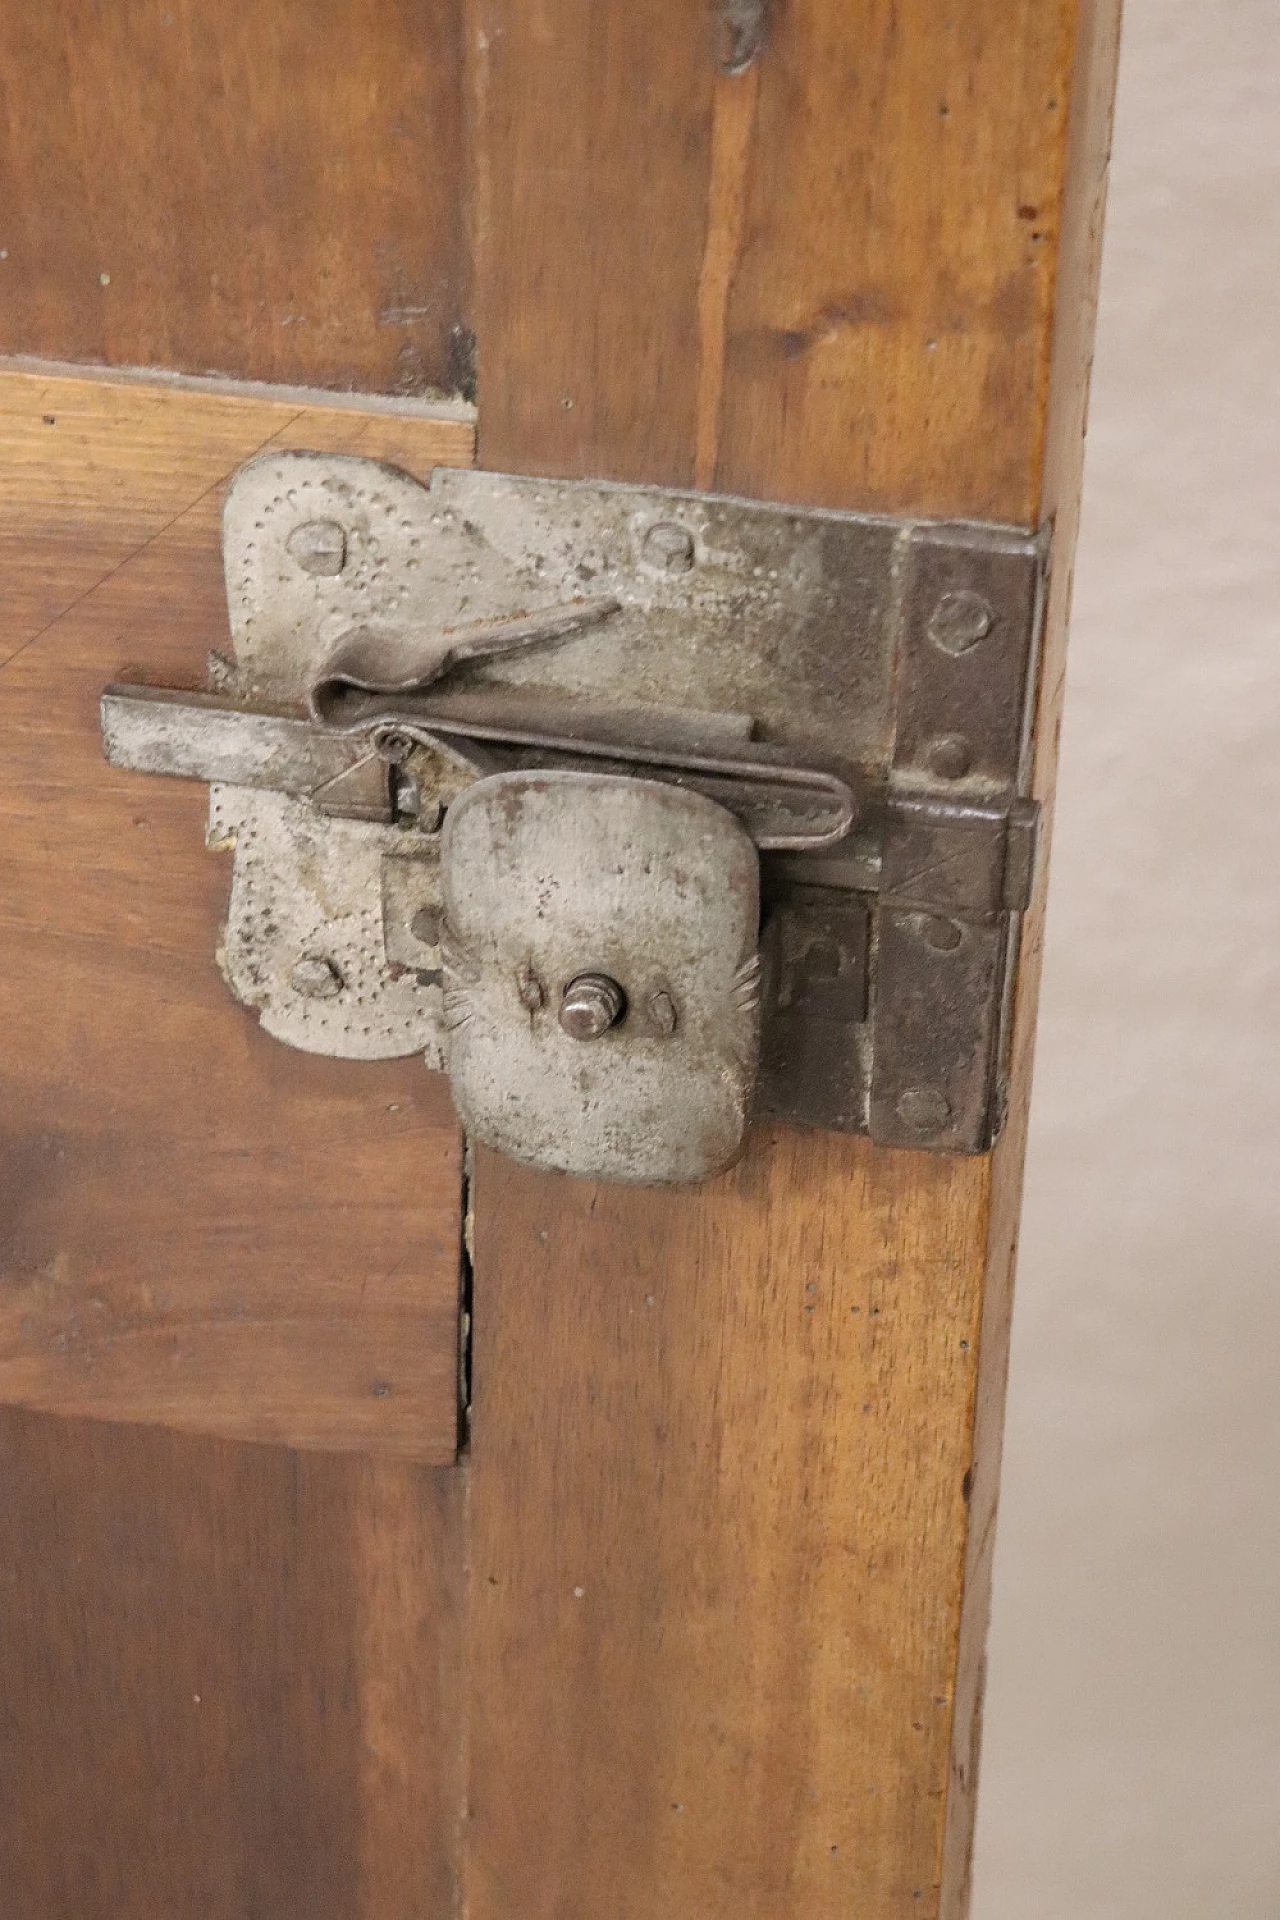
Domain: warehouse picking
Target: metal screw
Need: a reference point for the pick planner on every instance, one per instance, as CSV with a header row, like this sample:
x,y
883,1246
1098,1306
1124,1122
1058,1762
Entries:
x,y
669,546
960,620
529,988
662,1011
944,936
316,977
425,926
590,1005
319,546
924,1109
949,757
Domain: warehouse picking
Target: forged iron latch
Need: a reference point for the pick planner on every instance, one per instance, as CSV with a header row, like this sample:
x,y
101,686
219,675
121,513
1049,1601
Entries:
x,y
637,811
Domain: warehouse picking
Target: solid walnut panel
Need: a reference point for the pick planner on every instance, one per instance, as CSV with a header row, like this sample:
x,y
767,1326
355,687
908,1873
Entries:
x,y
228,1683
752,1527
201,1228
271,191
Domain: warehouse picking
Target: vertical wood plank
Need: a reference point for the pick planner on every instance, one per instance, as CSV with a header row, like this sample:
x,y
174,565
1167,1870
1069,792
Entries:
x,y
229,1673
724,1442
591,144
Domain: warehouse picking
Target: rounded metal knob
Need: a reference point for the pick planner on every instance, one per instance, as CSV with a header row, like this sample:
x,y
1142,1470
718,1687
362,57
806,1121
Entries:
x,y
590,1005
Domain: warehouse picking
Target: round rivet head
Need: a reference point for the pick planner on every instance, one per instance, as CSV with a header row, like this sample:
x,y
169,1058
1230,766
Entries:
x,y
944,936
590,1005
960,620
316,978
924,1109
949,757
670,546
319,546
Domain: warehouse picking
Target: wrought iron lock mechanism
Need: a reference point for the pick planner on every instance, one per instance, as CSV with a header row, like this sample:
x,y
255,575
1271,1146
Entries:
x,y
638,811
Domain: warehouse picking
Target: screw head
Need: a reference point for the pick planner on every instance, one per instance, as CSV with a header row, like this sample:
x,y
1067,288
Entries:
x,y
960,620
590,1005
315,977
669,546
924,1109
949,757
319,546
662,1012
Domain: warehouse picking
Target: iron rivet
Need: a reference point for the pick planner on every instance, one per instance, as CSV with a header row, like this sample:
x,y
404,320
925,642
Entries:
x,y
319,546
960,620
669,546
530,988
924,1109
590,1005
662,1011
950,757
316,977
944,936
392,746
425,926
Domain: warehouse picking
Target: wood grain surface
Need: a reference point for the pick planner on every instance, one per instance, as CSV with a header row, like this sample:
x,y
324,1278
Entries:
x,y
699,1628
725,1467
1080,259
231,1673
271,191
198,1227
228,1684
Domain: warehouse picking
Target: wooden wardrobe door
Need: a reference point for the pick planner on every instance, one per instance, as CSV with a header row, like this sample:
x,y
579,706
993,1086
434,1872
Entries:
x,y
684,1614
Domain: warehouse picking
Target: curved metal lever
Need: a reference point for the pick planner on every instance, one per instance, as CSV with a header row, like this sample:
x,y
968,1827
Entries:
x,y
368,689
392,729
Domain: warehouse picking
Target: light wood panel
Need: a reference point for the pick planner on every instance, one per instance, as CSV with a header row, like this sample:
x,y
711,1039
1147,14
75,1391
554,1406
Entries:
x,y
200,1229
732,1497
230,1681
276,192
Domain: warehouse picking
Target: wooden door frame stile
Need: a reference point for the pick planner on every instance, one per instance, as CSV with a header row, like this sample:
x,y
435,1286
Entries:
x,y
697,1615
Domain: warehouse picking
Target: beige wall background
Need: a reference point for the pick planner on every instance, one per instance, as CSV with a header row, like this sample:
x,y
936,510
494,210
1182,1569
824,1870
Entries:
x,y
1132,1754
